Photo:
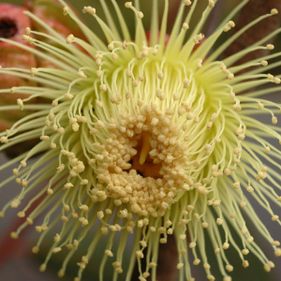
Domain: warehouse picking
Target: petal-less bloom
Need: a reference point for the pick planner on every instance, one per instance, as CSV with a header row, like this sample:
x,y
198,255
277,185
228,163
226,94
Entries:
x,y
142,139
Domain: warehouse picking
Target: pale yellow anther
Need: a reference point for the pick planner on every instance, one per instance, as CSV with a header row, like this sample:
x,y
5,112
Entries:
x,y
70,39
205,225
15,203
57,238
212,3
187,2
140,14
57,250
35,250
84,208
90,10
185,26
20,103
100,215
28,31
270,46
139,254
196,261
4,139
128,4
14,235
229,268
277,252
225,245
274,11
267,267
211,277
21,214
43,267
84,221
192,245
245,263
245,252
274,120
108,253
275,218
180,265
229,26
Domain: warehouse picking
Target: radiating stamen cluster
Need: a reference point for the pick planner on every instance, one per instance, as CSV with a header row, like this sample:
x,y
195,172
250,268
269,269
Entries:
x,y
142,137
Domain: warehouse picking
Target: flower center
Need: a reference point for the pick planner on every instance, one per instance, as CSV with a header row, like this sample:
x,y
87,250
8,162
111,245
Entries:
x,y
8,28
142,162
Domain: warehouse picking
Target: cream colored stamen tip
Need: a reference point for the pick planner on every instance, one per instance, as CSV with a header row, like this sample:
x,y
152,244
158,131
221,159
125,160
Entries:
x,y
56,250
185,26
245,264
43,267
196,261
15,203
267,267
231,23
187,2
219,221
128,4
70,38
225,245
180,265
245,252
270,46
108,253
27,38
264,63
61,273
274,120
229,26
90,10
20,102
274,11
205,225
275,218
192,245
276,243
14,235
229,267
35,250
277,252
3,139
212,3
21,214
211,278
140,15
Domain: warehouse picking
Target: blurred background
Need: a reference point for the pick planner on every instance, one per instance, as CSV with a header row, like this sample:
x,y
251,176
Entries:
x,y
17,263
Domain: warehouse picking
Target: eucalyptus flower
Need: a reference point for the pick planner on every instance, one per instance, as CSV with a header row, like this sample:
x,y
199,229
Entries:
x,y
142,137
